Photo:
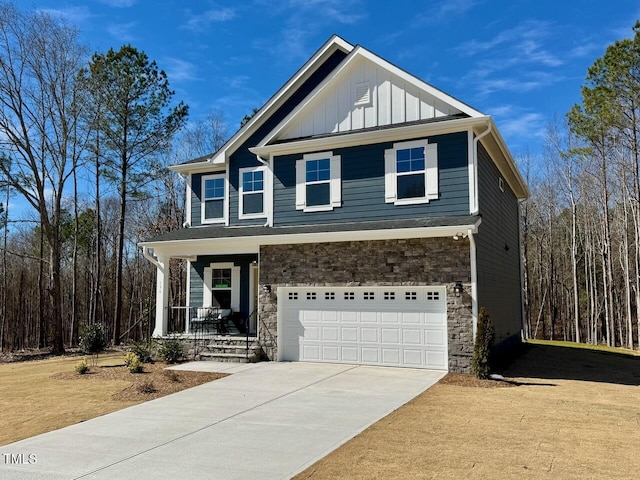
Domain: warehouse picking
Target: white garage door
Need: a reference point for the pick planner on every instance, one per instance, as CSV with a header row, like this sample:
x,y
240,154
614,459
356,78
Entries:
x,y
394,326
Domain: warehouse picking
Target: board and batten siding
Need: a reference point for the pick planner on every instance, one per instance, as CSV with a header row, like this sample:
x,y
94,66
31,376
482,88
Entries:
x,y
498,251
363,187
196,286
392,100
242,157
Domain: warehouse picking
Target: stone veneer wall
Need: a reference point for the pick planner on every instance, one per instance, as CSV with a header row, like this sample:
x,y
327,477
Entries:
x,y
423,261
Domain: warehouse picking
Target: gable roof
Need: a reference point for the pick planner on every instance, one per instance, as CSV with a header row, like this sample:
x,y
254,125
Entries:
x,y
393,96
335,43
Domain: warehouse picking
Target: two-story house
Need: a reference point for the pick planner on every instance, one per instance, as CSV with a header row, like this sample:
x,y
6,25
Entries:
x,y
361,216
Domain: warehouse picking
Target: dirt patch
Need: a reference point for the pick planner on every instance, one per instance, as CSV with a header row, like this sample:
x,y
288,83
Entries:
x,y
153,382
38,396
466,380
573,415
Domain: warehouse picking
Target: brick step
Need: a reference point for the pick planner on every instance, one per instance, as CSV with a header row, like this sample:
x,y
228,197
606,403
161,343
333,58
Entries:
x,y
218,348
229,357
232,339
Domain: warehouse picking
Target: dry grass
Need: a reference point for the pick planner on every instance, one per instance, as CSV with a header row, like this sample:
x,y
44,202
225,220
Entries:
x,y
43,395
574,414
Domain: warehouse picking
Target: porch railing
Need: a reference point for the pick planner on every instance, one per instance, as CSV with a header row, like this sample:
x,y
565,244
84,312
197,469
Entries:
x,y
183,319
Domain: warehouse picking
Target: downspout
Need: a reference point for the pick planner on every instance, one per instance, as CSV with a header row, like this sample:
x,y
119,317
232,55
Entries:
x,y
474,282
269,222
476,208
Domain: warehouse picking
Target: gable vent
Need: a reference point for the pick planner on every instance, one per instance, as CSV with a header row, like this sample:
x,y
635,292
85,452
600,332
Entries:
x,y
363,94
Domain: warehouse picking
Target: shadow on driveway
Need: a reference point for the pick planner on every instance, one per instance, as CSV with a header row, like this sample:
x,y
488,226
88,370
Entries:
x,y
566,363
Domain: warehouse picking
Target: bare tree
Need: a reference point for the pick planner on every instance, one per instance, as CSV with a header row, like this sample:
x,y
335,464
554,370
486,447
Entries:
x,y
39,60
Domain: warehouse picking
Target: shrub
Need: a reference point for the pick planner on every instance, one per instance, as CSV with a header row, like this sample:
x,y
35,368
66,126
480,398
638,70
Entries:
x,y
93,340
144,350
133,363
82,367
483,347
171,350
146,387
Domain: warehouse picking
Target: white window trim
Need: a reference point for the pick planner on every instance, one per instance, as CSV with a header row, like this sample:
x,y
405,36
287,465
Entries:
x,y
235,284
241,193
335,182
223,219
430,173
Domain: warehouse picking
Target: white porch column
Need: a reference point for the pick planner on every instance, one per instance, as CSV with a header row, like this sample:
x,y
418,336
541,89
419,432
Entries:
x,y
162,296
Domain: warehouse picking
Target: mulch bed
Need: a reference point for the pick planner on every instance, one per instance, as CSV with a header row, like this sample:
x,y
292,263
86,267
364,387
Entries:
x,y
153,382
466,380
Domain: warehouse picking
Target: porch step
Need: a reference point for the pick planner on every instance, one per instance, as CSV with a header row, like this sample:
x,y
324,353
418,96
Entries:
x,y
229,357
224,348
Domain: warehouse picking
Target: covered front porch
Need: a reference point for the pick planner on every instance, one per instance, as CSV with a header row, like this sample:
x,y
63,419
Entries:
x,y
221,292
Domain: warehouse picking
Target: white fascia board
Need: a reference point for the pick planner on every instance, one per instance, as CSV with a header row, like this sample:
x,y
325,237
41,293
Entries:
x,y
330,46
504,161
200,167
251,244
371,136
513,168
360,51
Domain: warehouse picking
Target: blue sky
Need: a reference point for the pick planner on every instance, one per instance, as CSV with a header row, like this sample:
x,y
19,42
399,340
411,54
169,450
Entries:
x,y
521,61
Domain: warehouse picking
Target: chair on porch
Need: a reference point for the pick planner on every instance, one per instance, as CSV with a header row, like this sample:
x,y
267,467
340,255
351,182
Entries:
x,y
211,319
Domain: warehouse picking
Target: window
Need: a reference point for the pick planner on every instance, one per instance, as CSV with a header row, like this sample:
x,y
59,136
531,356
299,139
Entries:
x,y
252,183
318,182
221,287
213,199
411,173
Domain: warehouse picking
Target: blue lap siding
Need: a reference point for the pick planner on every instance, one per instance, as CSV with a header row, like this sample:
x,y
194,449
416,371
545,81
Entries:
x,y
197,277
498,252
363,186
242,157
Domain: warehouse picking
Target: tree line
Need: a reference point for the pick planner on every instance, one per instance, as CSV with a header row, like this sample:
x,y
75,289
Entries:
x,y
581,226
85,142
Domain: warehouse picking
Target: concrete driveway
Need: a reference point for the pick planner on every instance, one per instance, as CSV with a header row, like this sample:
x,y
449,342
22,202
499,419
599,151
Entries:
x,y
266,421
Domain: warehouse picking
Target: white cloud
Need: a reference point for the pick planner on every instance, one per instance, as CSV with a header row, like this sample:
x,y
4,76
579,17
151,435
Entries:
x,y
516,122
122,31
341,11
201,21
119,3
73,15
179,70
447,10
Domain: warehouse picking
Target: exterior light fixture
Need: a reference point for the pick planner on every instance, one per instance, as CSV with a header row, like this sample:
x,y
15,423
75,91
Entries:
x,y
266,288
457,289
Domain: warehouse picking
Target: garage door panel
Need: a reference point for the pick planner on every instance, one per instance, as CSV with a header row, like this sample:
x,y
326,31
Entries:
x,y
369,317
412,358
369,335
348,317
370,355
390,317
412,336
330,353
329,316
391,356
411,318
396,326
330,334
390,335
435,338
349,334
433,318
